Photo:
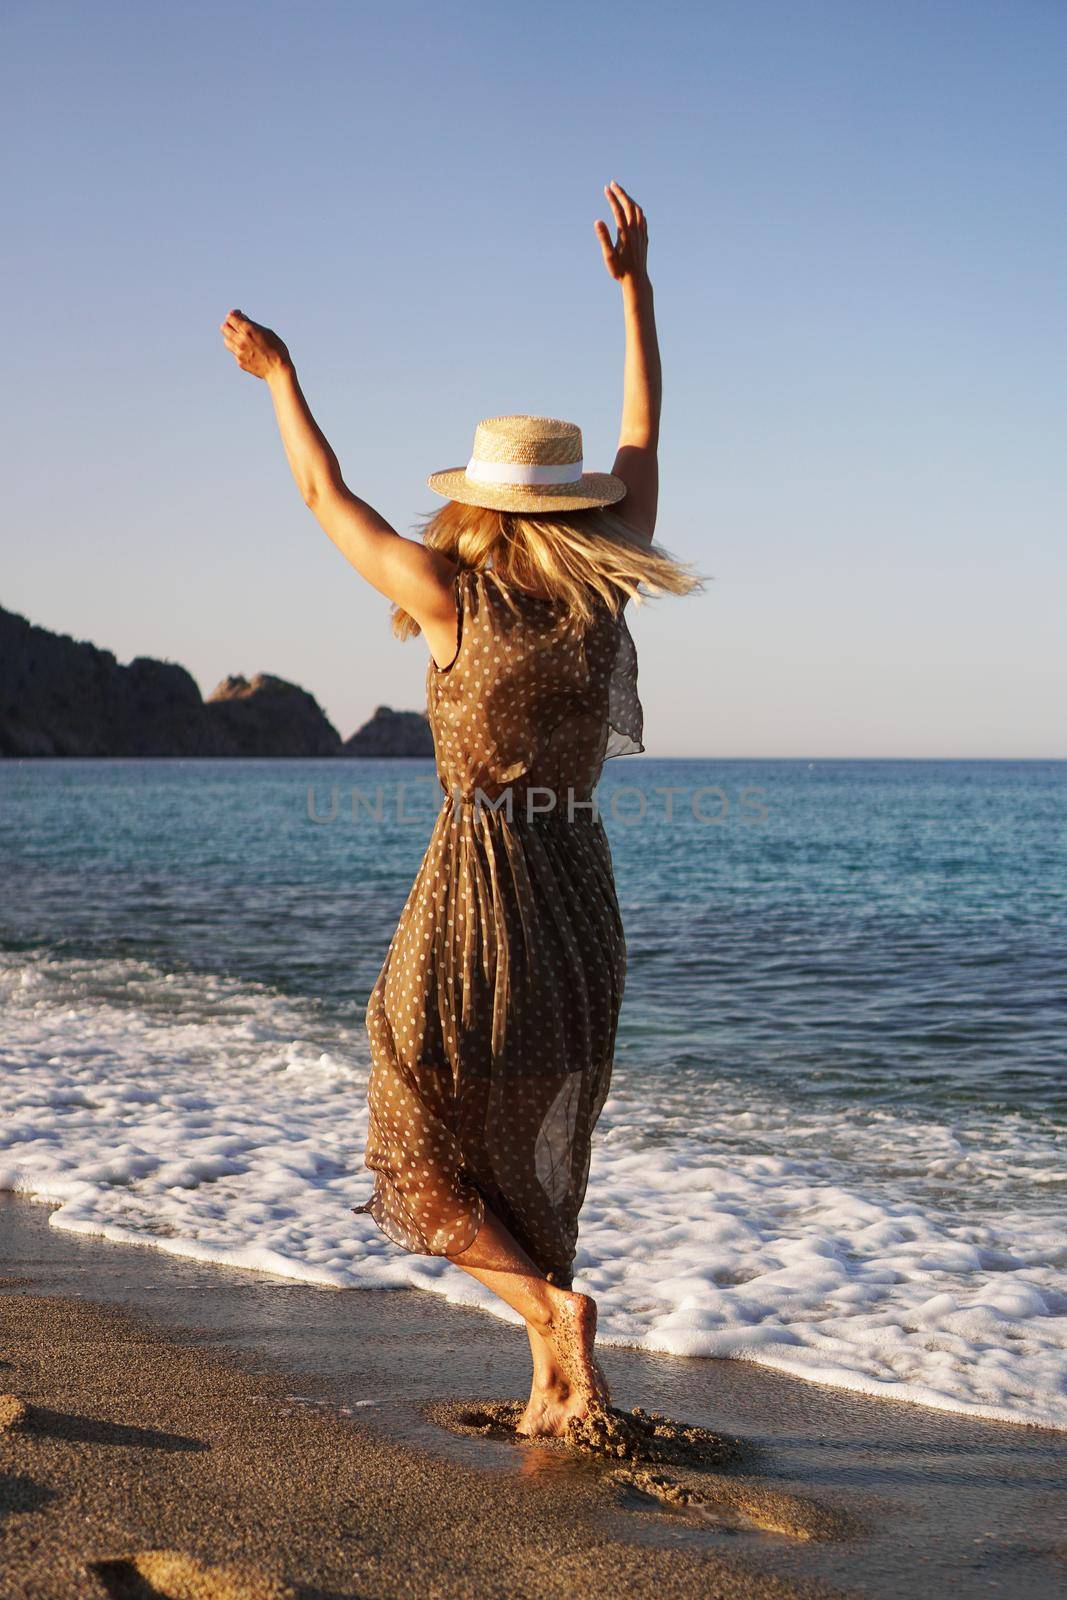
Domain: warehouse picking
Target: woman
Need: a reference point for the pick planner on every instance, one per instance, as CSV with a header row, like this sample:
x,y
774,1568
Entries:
x,y
492,1023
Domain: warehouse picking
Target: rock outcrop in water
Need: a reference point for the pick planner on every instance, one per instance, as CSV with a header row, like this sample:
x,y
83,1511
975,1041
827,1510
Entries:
x,y
269,717
392,733
63,697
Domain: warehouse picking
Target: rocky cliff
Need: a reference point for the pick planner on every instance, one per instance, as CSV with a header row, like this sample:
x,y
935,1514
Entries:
x,y
63,697
392,733
269,717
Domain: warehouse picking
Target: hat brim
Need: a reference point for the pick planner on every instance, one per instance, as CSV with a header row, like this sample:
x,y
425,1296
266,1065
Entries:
x,y
591,489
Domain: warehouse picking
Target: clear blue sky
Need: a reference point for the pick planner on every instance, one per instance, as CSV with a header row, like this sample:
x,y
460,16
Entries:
x,y
858,249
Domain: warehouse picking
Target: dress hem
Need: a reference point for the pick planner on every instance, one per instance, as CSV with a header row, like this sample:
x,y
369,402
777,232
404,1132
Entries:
x,y
374,1209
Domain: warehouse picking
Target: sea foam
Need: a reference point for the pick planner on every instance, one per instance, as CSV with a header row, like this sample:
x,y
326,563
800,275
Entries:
x,y
862,1247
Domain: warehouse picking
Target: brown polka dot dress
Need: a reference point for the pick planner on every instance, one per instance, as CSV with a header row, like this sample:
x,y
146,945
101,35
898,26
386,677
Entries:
x,y
492,1022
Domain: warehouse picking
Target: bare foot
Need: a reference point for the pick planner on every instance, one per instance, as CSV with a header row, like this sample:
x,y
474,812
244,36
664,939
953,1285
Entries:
x,y
547,1411
573,1335
570,1384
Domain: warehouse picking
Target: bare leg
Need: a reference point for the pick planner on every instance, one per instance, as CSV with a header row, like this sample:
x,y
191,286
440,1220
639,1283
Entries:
x,y
561,1325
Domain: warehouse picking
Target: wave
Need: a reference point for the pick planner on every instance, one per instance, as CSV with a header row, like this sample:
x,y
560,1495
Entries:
x,y
863,1247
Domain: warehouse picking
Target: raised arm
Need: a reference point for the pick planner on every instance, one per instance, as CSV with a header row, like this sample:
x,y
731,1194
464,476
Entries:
x,y
407,572
637,461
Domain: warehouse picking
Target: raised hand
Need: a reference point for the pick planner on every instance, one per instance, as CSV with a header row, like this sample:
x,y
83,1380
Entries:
x,y
256,349
627,258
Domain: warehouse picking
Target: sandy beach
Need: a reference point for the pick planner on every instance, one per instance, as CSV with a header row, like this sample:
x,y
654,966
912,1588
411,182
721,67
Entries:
x,y
283,1439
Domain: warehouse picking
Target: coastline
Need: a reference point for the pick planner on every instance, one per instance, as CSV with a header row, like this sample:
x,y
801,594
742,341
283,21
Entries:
x,y
251,1416
837,1166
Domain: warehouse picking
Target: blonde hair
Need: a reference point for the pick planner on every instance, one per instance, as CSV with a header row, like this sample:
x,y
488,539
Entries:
x,y
565,556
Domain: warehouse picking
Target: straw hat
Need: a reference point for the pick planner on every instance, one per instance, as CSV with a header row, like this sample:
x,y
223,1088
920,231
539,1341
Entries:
x,y
527,464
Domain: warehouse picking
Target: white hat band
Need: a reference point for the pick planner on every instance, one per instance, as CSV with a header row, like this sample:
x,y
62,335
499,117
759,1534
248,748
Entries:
x,y
520,472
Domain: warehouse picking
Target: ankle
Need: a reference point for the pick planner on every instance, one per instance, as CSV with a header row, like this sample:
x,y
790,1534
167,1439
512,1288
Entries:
x,y
559,1302
545,1319
550,1382
539,1324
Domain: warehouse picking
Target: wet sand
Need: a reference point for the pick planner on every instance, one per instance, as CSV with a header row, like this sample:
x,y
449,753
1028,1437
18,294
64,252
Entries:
x,y
274,1439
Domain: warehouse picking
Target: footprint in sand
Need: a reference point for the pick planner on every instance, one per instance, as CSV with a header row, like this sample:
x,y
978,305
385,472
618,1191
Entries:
x,y
639,1440
172,1575
14,1413
17,1416
647,1437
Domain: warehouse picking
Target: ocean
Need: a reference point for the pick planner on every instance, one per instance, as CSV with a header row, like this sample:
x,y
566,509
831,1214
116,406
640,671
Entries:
x,y
835,1142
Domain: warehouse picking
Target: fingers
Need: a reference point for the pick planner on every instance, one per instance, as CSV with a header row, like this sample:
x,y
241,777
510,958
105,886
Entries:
x,y
238,337
603,233
616,206
634,215
624,200
242,338
236,342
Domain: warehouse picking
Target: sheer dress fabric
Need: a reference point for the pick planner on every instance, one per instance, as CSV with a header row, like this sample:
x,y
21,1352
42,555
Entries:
x,y
492,1022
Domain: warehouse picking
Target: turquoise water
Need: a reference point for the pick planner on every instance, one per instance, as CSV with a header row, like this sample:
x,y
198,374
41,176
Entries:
x,y
894,931
834,1141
